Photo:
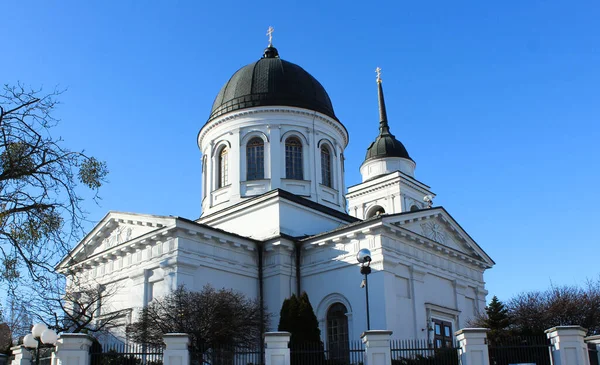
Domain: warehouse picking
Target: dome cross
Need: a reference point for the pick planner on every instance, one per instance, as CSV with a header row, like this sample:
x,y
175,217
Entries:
x,y
270,35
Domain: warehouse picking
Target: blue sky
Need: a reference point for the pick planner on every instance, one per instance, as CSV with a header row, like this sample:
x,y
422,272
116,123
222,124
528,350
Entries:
x,y
497,102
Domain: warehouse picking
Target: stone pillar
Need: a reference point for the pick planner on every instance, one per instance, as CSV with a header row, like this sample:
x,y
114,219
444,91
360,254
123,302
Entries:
x,y
377,347
595,341
277,351
22,355
568,346
72,349
176,351
473,348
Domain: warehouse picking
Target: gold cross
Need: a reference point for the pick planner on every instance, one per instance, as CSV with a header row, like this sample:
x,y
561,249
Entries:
x,y
378,71
270,34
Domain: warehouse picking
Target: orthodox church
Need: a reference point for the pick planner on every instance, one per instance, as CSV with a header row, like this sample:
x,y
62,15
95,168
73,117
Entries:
x,y
277,219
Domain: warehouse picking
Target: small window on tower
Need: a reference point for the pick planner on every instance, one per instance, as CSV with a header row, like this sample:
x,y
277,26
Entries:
x,y
413,208
223,168
375,211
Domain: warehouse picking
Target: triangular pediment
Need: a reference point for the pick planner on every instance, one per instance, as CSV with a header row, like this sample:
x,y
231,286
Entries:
x,y
114,229
435,225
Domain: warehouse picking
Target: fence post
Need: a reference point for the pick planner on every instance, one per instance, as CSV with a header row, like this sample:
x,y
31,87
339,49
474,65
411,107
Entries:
x,y
22,355
568,346
176,350
473,348
595,341
277,351
72,349
377,347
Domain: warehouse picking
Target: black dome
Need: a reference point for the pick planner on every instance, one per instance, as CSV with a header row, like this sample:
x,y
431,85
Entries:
x,y
386,145
272,81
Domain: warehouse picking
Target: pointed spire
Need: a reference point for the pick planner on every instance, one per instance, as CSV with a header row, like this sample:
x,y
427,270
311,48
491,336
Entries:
x,y
384,128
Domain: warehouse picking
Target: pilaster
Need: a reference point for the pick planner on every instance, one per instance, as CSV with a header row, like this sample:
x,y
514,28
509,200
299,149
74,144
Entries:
x,y
568,345
473,348
22,355
72,349
276,348
176,350
377,347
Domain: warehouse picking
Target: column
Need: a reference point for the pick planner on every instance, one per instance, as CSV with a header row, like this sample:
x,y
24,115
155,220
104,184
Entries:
x,y
595,341
176,350
72,349
473,348
22,355
568,346
277,351
377,347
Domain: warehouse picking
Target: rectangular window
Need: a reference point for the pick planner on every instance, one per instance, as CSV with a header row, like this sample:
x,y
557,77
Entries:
x,y
442,333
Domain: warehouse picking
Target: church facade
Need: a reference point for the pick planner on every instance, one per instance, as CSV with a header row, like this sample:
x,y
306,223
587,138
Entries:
x,y
276,221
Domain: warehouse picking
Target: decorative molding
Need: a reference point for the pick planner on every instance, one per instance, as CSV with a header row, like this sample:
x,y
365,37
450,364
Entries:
x,y
338,126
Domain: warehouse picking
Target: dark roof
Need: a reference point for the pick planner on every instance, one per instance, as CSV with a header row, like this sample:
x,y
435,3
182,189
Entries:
x,y
272,81
385,145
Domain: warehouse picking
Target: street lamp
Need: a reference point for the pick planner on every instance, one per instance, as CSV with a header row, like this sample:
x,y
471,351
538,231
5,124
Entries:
x,y
40,333
364,258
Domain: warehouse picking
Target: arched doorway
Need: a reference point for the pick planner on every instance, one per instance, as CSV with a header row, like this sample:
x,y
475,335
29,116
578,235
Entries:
x,y
337,332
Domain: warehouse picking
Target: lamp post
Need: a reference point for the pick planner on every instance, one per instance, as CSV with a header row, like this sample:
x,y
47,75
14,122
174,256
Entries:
x,y
40,333
364,258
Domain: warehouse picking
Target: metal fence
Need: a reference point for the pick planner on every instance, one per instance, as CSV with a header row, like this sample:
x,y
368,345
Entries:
x,y
351,353
127,354
593,353
521,350
420,352
227,355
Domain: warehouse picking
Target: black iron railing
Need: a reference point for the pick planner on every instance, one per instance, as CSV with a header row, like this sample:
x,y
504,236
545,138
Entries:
x,y
127,354
593,353
421,352
520,350
350,353
227,355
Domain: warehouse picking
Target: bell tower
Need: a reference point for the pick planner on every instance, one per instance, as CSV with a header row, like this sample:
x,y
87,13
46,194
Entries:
x,y
388,175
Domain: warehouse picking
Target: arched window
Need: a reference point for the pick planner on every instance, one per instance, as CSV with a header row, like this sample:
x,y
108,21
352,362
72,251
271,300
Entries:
x,y
376,210
325,166
223,168
413,208
293,159
255,159
337,332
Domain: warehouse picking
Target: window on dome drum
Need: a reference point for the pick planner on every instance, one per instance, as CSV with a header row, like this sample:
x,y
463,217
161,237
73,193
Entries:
x,y
442,333
255,159
325,166
223,168
293,159
337,332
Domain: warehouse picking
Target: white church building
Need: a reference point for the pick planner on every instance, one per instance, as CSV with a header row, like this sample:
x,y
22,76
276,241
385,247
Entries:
x,y
277,219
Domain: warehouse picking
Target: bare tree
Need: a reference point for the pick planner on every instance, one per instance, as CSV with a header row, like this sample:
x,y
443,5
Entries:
x,y
40,207
81,307
211,317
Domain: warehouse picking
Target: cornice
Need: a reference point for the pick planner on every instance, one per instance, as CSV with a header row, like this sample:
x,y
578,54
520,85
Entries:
x,y
397,180
247,112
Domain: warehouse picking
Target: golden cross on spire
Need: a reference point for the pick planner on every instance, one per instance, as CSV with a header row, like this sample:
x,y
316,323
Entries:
x,y
378,71
270,34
